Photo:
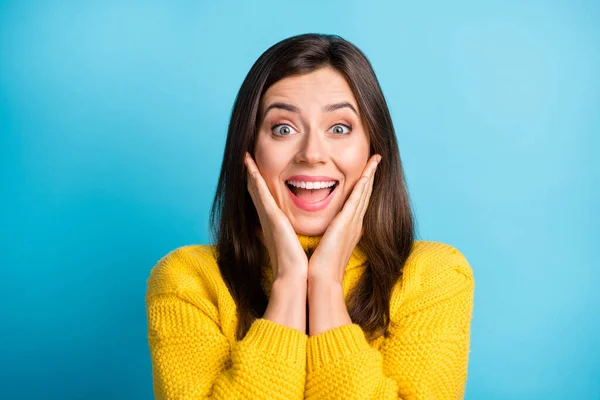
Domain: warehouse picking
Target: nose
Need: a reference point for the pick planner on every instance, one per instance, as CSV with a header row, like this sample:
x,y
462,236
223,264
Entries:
x,y
313,149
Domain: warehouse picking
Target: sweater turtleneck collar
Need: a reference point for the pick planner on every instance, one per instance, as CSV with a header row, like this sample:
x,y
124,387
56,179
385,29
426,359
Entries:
x,y
309,244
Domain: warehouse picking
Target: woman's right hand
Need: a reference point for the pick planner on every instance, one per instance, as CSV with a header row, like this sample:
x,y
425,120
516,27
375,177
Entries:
x,y
288,259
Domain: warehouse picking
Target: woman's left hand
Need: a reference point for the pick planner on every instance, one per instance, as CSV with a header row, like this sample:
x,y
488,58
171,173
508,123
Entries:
x,y
328,263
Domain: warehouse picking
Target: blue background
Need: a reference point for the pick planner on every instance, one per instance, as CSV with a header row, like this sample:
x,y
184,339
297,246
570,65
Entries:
x,y
113,119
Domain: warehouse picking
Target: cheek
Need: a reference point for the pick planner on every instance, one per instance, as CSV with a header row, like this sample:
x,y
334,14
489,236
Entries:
x,y
351,161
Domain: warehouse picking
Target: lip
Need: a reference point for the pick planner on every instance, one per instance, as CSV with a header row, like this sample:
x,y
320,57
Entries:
x,y
312,206
309,178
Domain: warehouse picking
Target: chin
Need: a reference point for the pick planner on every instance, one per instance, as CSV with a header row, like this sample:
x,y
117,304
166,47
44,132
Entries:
x,y
311,226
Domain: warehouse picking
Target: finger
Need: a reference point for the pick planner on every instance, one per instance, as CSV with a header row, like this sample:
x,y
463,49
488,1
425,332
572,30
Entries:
x,y
368,172
355,200
253,190
250,164
366,198
251,171
351,206
371,166
364,203
262,192
252,177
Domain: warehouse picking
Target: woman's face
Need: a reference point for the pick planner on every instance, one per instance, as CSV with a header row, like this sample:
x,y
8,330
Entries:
x,y
311,147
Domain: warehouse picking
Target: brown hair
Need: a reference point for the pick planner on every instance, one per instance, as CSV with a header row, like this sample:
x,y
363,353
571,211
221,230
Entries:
x,y
388,223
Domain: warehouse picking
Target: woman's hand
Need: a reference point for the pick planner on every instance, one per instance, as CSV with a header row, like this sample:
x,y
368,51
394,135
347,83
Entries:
x,y
288,259
328,263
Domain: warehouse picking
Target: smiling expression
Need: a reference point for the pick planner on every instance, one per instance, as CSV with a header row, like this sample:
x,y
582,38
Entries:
x,y
311,147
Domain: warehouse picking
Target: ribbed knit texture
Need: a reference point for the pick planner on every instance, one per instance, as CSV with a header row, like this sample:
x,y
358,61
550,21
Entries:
x,y
192,322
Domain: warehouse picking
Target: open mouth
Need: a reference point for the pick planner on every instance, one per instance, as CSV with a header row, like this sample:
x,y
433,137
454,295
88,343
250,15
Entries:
x,y
311,192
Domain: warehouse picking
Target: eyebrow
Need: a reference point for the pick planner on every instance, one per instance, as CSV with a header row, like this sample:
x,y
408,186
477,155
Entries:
x,y
327,108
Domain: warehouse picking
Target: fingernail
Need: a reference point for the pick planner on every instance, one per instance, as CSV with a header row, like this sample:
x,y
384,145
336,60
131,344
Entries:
x,y
378,159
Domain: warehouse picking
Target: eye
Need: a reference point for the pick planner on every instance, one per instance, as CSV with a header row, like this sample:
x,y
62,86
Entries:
x,y
284,130
338,129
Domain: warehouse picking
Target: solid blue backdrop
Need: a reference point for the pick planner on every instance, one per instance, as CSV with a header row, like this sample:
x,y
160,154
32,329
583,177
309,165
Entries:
x,y
113,118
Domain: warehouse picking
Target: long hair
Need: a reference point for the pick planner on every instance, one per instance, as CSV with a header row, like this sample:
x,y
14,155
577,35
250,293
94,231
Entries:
x,y
388,234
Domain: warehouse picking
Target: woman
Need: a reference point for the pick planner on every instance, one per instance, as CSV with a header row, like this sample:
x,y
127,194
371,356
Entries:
x,y
315,287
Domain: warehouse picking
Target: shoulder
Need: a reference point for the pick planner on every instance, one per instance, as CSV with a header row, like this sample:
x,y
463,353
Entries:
x,y
191,268
433,271
430,261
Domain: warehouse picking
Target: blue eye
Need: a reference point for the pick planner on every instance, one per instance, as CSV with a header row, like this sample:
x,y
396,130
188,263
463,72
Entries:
x,y
337,130
287,130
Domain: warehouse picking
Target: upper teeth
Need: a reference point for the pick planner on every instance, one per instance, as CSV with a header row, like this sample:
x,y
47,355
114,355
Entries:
x,y
311,185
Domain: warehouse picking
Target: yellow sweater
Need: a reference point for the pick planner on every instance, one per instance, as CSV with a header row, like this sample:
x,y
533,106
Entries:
x,y
192,323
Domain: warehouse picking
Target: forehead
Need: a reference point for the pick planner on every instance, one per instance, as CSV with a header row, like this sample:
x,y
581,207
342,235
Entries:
x,y
314,89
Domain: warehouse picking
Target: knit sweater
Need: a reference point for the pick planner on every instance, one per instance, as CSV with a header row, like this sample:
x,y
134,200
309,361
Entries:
x,y
192,323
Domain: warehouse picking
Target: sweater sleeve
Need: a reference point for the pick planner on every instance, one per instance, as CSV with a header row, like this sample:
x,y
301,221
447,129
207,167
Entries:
x,y
193,359
424,357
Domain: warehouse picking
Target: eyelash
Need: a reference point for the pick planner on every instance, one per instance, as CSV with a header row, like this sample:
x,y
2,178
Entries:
x,y
338,134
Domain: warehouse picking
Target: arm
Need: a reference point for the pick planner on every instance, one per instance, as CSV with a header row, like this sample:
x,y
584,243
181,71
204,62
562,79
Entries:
x,y
425,356
287,304
328,307
193,359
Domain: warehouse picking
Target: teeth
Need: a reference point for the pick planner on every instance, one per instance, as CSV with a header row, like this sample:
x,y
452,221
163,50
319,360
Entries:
x,y
311,185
